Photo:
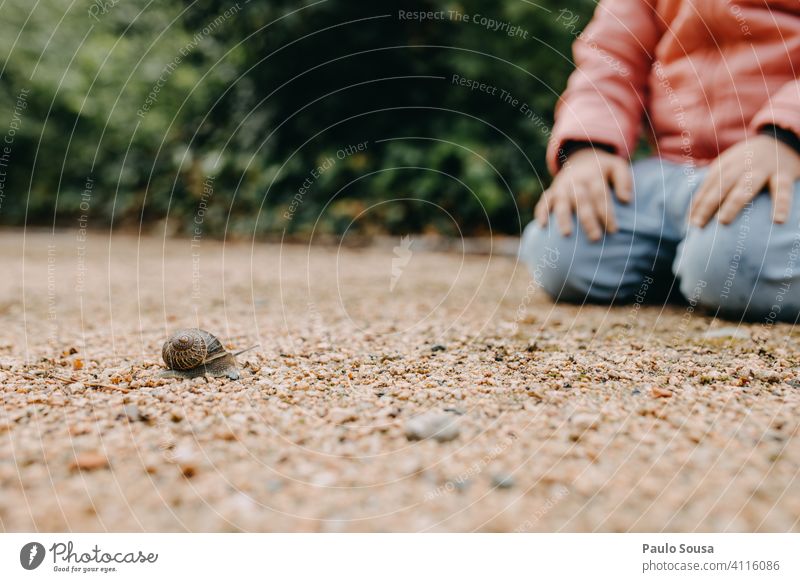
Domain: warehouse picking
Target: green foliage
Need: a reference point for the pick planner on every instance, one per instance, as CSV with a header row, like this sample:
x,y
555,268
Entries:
x,y
246,104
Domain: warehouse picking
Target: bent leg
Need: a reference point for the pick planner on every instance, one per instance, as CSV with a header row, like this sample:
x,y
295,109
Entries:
x,y
749,269
632,264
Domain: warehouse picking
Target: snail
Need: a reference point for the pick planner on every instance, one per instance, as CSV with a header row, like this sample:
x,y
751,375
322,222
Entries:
x,y
194,352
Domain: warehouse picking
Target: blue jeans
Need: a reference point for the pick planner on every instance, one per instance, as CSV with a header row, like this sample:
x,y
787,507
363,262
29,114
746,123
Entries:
x,y
749,269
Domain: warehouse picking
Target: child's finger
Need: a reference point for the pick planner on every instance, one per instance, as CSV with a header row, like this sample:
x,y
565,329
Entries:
x,y
711,184
707,201
587,216
738,196
705,208
562,210
542,211
781,186
622,180
601,199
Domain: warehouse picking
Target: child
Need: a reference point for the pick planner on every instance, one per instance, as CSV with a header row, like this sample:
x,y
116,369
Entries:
x,y
717,214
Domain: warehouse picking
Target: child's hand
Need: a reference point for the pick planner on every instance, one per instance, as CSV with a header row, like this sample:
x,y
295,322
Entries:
x,y
582,187
740,173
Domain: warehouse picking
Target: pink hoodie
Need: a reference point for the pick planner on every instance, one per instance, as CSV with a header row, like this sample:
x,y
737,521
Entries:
x,y
702,74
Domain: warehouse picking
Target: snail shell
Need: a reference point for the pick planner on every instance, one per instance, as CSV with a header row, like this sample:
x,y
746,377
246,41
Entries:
x,y
189,348
189,353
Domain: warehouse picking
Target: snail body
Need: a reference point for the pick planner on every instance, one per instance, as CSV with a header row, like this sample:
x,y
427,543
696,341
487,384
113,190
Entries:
x,y
194,352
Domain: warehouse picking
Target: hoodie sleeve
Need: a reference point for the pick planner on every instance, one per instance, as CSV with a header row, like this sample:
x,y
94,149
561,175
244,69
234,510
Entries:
x,y
605,96
782,110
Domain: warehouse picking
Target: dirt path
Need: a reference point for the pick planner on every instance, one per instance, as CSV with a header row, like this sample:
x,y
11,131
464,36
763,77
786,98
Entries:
x,y
568,419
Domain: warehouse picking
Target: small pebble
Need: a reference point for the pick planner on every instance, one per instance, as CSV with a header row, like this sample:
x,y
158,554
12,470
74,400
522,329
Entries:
x,y
187,460
728,332
89,461
657,392
274,485
457,411
581,423
585,421
432,425
133,413
342,415
502,481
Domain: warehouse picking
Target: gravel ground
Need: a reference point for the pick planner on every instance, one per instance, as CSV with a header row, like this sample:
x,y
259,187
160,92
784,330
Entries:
x,y
535,417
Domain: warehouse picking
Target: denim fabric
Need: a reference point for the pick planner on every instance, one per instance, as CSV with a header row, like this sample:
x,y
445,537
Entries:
x,y
749,269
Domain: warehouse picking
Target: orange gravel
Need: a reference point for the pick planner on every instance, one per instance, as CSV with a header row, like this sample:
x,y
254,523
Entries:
x,y
557,418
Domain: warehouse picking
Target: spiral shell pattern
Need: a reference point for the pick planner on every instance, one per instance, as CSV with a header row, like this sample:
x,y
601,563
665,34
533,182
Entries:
x,y
190,348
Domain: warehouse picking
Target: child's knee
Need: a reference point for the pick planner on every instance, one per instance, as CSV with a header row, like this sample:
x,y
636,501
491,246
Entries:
x,y
541,250
744,270
565,267
707,271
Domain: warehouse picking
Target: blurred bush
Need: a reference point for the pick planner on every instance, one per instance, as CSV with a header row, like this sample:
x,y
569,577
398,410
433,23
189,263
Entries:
x,y
214,116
